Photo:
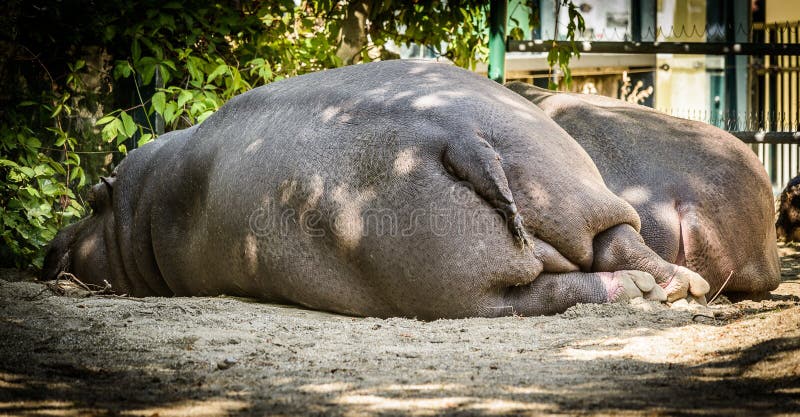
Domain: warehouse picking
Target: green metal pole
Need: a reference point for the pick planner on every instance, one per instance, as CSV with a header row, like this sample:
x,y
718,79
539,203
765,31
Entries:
x,y
497,40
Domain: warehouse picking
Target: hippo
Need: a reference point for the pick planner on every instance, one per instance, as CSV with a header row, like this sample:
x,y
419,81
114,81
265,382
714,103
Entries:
x,y
787,225
704,199
397,188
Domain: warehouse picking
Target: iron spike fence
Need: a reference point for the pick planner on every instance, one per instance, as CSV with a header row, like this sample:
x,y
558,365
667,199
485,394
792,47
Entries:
x,y
687,48
772,122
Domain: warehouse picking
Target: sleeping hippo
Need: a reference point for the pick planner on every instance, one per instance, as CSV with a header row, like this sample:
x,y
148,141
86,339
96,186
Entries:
x,y
704,199
397,188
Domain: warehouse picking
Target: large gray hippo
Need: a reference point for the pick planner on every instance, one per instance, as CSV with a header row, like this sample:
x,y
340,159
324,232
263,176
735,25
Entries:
x,y
399,188
702,195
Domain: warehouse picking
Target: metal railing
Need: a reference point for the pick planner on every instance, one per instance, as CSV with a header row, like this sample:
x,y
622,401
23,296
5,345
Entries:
x,y
771,122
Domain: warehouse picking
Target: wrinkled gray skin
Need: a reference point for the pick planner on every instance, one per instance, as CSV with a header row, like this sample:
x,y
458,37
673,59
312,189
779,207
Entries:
x,y
704,199
399,188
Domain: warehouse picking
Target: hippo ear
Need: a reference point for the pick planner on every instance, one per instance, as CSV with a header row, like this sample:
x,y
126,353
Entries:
x,y
109,181
100,195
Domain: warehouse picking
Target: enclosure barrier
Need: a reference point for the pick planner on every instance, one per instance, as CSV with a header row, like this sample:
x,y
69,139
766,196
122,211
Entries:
x,y
771,123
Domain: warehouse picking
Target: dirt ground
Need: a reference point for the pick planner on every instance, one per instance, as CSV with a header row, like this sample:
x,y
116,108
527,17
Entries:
x,y
100,355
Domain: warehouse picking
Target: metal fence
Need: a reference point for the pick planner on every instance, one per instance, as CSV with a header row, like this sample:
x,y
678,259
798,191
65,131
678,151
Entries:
x,y
774,79
764,59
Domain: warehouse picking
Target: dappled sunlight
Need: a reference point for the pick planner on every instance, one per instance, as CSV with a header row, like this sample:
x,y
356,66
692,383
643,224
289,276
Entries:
x,y
423,387
250,253
437,99
635,194
640,347
685,344
329,112
348,224
253,147
211,407
360,404
406,161
44,408
286,190
606,359
325,387
415,406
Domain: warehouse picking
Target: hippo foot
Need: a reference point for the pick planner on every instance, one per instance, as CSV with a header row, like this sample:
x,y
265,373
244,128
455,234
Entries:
x,y
627,285
685,284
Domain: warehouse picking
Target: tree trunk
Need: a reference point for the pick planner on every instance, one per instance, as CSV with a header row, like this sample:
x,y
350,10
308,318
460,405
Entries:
x,y
353,35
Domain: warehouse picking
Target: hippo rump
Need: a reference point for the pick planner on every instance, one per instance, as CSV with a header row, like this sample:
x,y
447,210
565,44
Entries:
x,y
398,188
703,197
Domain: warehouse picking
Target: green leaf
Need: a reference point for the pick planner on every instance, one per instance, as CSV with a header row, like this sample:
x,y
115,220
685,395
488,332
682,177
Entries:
x,y
221,69
169,112
111,130
197,108
147,73
49,189
204,115
136,50
33,143
41,170
27,171
31,191
159,101
146,138
105,120
128,125
7,163
183,97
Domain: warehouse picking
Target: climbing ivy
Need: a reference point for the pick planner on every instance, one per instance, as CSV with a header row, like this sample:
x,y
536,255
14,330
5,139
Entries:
x,y
83,81
561,53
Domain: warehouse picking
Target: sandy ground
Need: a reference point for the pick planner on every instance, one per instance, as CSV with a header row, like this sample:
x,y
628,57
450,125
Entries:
x,y
99,355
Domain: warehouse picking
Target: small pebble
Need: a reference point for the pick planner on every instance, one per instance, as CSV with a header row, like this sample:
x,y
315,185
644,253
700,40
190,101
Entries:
x,y
702,318
227,363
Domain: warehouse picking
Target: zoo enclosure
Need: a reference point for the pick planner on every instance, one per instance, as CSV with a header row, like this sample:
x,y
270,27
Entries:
x,y
754,91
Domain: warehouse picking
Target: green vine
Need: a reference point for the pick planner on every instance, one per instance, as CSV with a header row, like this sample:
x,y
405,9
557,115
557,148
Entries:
x,y
561,53
85,86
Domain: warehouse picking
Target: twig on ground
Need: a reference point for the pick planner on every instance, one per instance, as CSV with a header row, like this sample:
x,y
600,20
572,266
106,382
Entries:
x,y
98,290
721,288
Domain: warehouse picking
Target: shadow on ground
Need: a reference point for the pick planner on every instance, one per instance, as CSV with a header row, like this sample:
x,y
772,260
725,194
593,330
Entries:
x,y
216,356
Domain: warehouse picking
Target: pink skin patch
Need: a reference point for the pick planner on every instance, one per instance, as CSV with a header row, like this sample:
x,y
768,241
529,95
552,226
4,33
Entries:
x,y
614,288
671,285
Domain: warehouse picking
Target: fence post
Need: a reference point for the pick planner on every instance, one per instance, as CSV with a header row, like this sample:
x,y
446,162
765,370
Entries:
x,y
643,20
497,40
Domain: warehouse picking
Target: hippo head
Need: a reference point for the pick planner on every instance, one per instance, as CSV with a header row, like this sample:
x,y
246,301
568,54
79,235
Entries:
x,y
788,224
80,249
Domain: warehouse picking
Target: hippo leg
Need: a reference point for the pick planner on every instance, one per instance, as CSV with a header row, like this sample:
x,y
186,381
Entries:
x,y
476,162
621,247
554,293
